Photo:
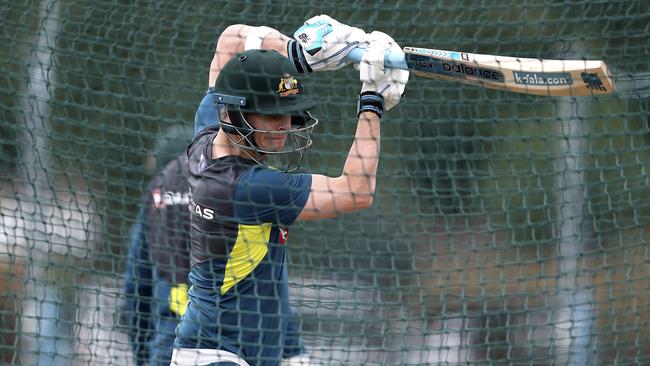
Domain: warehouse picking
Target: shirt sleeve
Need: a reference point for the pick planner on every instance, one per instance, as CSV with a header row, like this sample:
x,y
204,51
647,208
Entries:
x,y
264,195
207,113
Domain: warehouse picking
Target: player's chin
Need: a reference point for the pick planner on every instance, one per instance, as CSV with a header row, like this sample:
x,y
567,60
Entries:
x,y
277,144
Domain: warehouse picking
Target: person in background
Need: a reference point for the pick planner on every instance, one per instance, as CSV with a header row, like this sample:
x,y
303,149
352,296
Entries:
x,y
158,259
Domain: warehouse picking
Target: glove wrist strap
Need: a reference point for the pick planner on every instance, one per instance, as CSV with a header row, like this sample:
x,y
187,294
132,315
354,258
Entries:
x,y
256,37
297,57
370,101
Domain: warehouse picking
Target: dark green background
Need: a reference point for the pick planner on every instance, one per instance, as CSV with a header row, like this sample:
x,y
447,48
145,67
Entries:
x,y
466,221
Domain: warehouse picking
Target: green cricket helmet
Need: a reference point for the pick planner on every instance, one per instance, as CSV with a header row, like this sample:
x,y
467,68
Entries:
x,y
263,82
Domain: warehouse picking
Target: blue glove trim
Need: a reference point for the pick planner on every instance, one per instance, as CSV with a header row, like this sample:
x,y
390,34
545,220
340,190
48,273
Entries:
x,y
297,57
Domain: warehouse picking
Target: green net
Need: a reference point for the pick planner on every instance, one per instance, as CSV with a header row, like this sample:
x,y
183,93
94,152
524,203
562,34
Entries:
x,y
506,228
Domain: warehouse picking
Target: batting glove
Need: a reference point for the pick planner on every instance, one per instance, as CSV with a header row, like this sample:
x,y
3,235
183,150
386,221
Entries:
x,y
323,43
178,299
389,83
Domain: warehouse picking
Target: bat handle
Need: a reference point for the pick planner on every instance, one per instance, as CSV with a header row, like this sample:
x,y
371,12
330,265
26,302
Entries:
x,y
392,60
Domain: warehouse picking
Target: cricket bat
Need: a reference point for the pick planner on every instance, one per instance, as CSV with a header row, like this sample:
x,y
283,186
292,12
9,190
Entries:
x,y
514,74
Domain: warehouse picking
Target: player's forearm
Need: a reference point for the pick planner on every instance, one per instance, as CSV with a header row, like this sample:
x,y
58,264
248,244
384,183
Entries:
x,y
233,41
360,169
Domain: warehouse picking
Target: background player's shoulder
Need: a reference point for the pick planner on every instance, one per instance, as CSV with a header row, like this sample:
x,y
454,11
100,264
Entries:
x,y
199,151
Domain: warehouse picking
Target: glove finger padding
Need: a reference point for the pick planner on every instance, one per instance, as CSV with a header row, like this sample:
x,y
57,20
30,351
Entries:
x,y
325,42
390,83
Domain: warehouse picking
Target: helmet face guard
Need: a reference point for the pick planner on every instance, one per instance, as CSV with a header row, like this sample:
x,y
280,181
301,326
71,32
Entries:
x,y
298,138
261,82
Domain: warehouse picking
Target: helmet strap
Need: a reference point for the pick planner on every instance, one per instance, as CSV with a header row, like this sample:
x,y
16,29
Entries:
x,y
244,145
239,126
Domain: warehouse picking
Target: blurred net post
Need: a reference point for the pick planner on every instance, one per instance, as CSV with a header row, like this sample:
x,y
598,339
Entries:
x,y
45,338
50,223
574,302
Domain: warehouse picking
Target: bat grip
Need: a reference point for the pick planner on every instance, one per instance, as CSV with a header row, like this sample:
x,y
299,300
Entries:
x,y
391,60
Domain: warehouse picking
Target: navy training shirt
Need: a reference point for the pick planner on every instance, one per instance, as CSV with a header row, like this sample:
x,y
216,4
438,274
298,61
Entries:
x,y
240,215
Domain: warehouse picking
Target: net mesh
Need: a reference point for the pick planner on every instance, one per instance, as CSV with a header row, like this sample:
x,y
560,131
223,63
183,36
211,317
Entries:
x,y
506,228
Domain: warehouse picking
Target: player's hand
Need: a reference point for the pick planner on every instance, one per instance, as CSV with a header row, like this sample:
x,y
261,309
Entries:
x,y
325,42
390,83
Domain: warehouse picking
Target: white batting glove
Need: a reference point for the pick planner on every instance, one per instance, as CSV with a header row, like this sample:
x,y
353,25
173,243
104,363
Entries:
x,y
323,43
390,83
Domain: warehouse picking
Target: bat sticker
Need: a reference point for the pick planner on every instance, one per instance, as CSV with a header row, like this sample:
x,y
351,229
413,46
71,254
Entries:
x,y
429,64
440,53
542,78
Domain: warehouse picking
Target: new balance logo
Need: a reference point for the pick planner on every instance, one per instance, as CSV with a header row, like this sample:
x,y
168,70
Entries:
x,y
593,81
303,37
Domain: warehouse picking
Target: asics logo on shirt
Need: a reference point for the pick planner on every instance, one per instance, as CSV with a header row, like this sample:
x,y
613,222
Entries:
x,y
206,213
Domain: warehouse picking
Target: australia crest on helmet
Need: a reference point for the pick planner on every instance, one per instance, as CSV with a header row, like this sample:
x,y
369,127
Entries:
x,y
288,85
